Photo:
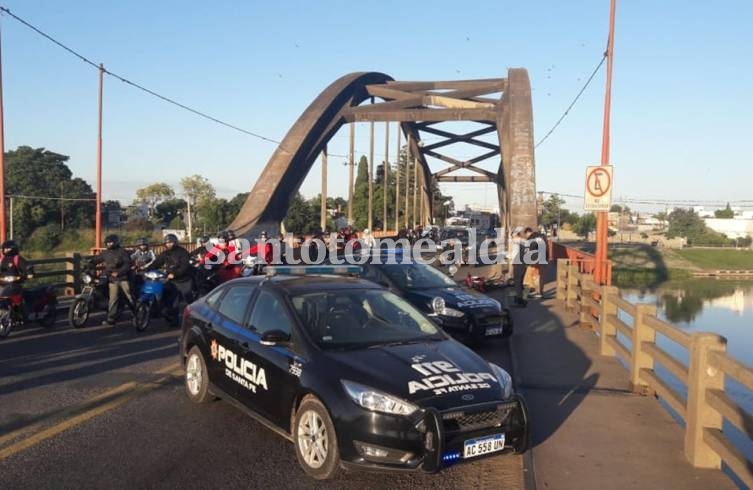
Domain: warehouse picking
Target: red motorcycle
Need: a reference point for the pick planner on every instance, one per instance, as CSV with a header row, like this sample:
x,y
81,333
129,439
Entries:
x,y
18,306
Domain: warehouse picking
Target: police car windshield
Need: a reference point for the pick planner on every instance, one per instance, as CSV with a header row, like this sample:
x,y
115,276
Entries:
x,y
360,318
416,276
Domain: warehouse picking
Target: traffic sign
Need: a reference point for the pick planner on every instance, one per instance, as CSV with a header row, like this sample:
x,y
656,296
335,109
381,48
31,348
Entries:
x,y
598,188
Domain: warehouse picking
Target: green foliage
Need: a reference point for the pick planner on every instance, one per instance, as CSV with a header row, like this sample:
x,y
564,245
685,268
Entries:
x,y
45,237
725,213
43,173
617,208
585,224
153,194
644,235
361,195
685,223
167,210
719,259
301,217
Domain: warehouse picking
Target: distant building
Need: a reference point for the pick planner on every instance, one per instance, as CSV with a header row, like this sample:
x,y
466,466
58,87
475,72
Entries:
x,y
733,228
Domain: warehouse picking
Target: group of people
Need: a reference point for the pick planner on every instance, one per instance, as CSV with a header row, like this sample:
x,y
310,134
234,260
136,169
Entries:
x,y
119,265
526,251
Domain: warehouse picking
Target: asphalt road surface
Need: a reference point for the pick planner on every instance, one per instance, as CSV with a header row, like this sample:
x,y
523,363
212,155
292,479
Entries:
x,y
104,407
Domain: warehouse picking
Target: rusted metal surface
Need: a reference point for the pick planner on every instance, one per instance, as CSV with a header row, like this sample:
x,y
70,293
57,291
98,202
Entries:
x,y
501,105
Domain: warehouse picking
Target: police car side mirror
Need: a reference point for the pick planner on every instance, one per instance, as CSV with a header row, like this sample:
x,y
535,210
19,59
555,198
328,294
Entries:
x,y
274,337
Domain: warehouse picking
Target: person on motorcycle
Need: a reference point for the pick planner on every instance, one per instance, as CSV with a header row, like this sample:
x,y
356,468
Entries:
x,y
13,264
117,266
267,248
200,251
176,262
220,257
143,257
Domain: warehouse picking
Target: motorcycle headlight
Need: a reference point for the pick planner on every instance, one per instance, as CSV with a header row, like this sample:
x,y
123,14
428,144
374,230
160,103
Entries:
x,y
153,275
439,307
86,278
504,379
376,401
453,269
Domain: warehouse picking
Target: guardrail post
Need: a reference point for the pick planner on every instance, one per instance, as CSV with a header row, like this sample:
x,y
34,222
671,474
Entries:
x,y
585,317
605,328
702,377
572,286
562,279
639,358
73,273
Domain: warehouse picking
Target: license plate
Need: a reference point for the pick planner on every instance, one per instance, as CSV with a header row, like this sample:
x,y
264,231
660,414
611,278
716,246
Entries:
x,y
87,290
493,330
485,445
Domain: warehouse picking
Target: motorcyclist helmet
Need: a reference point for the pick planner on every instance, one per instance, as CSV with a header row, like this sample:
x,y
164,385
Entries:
x,y
263,235
230,235
142,243
170,239
10,247
203,240
112,241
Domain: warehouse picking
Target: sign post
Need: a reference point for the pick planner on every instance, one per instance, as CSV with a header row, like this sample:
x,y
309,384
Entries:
x,y
598,188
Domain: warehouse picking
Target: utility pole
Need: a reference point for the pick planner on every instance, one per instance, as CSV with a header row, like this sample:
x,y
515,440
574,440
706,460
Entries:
x,y
407,179
351,162
601,217
2,158
386,171
371,175
323,210
98,212
397,182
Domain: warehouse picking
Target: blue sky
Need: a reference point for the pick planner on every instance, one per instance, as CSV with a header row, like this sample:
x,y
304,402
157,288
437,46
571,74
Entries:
x,y
682,101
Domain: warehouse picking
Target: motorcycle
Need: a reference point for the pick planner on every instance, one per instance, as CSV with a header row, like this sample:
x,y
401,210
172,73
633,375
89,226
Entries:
x,y
94,297
251,266
150,299
18,306
205,276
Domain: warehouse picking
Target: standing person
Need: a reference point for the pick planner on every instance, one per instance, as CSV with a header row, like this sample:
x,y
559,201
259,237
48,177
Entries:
x,y
117,266
176,261
516,255
536,243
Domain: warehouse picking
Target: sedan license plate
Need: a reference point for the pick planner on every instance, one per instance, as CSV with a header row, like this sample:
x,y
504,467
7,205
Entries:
x,y
485,445
493,330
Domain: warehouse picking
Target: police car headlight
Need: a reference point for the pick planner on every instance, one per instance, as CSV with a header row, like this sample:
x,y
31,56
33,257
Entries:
x,y
504,380
439,308
86,278
376,401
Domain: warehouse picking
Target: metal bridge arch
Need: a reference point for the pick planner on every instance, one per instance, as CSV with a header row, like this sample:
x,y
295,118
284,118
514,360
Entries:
x,y
419,107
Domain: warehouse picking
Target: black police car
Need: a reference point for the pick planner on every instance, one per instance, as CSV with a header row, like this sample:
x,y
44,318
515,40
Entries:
x,y
464,313
348,371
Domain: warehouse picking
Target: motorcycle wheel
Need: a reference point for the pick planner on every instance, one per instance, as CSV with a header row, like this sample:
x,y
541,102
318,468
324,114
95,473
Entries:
x,y
142,316
49,314
78,313
6,323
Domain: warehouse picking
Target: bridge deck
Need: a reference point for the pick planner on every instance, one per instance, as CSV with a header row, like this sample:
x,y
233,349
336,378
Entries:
x,y
589,430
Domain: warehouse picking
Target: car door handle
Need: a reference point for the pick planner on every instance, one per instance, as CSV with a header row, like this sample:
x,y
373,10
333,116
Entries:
x,y
245,345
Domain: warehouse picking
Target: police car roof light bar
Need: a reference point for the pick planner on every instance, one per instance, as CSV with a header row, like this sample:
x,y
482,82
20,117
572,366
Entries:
x,y
309,270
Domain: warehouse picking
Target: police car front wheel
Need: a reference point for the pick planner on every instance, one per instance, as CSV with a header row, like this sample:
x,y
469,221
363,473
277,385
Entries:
x,y
197,381
315,440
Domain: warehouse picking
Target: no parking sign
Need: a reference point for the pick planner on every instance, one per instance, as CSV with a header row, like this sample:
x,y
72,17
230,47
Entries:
x,y
598,188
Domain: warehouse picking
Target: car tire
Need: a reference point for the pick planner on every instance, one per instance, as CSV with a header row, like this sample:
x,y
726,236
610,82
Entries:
x,y
315,440
196,377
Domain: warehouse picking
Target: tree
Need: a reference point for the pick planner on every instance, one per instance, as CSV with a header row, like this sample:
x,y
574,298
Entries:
x,y
725,213
617,208
551,211
153,194
685,223
199,194
585,224
361,195
301,217
167,210
33,173
235,204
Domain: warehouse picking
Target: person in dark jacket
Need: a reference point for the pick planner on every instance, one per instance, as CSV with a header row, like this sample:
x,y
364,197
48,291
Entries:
x,y
176,262
117,266
13,264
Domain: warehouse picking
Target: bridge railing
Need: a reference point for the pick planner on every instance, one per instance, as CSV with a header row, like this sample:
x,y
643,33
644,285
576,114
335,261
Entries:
x,y
707,403
586,262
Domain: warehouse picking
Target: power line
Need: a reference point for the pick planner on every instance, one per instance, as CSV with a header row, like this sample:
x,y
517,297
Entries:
x,y
134,84
567,111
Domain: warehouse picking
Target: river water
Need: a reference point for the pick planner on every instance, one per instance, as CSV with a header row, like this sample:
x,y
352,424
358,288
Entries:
x,y
721,306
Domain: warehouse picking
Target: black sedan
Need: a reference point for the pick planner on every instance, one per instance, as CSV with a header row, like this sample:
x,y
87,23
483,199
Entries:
x,y
351,373
464,313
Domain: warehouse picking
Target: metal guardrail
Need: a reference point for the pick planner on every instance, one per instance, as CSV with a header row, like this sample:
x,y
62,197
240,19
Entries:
x,y
707,404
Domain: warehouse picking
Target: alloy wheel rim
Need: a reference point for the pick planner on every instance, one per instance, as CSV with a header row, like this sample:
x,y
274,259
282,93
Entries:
x,y
312,439
193,374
